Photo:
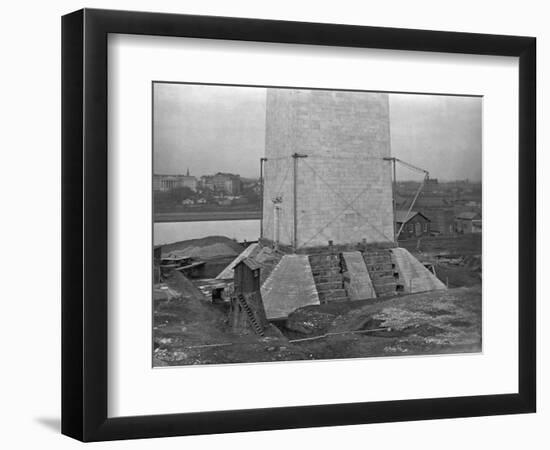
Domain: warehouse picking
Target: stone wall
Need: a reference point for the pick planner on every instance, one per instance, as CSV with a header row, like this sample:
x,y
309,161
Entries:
x,y
344,191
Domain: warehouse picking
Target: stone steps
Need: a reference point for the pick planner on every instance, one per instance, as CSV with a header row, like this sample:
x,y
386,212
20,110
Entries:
x,y
382,275
329,286
380,267
333,295
382,272
329,278
326,271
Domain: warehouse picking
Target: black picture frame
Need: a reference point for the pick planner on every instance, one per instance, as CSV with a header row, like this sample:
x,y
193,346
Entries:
x,y
84,224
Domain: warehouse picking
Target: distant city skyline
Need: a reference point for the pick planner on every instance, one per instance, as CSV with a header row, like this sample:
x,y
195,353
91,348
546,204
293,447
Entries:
x,y
187,173
210,129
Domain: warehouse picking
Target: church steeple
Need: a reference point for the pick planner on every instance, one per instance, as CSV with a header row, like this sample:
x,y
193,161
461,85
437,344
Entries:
x,y
188,171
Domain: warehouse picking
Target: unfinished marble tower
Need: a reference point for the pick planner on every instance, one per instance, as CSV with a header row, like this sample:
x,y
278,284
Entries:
x,y
325,179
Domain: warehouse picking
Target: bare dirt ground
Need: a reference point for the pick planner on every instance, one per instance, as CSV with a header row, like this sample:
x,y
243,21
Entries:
x,y
457,258
450,245
188,330
208,247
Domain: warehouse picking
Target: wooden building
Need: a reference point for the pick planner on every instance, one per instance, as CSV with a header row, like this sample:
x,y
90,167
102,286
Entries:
x,y
415,224
468,222
247,313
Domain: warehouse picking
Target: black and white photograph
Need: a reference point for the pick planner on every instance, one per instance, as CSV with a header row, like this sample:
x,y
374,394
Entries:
x,y
292,223
275,225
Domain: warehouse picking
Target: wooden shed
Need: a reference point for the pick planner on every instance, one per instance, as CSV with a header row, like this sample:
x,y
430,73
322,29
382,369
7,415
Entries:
x,y
247,313
415,224
246,277
468,222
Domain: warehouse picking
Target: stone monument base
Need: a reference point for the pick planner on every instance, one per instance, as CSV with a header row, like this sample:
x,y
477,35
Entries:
x,y
334,273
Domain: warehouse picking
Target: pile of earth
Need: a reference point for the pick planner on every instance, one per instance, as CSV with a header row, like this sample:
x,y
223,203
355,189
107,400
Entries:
x,y
188,329
431,322
205,248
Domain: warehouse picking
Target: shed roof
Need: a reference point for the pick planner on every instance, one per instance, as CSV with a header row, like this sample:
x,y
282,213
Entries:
x,y
250,263
402,217
469,215
250,251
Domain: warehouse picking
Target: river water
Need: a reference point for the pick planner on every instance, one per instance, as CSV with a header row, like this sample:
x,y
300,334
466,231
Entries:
x,y
168,232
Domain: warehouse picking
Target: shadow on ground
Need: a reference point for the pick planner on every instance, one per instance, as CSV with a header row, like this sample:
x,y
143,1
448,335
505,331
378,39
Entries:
x,y
52,423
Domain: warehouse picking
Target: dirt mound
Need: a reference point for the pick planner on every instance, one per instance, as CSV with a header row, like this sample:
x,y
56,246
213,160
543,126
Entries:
x,y
209,251
204,248
191,302
424,314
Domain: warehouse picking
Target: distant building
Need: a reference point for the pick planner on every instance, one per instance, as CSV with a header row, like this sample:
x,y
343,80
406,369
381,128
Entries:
x,y
473,204
227,183
441,220
207,182
468,222
166,183
415,224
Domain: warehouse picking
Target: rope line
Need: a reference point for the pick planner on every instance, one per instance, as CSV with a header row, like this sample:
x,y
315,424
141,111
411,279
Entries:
x,y
344,158
320,231
288,229
278,191
348,205
279,158
349,158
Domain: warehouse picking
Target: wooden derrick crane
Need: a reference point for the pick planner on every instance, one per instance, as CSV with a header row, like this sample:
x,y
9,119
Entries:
x,y
394,161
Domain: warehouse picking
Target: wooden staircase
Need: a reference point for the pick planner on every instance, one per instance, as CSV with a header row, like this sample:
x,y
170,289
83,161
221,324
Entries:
x,y
327,274
251,318
382,272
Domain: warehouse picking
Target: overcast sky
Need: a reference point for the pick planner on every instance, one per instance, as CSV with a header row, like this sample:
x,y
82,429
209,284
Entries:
x,y
222,128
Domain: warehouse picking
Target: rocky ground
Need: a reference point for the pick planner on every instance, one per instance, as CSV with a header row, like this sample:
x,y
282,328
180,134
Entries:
x,y
188,330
